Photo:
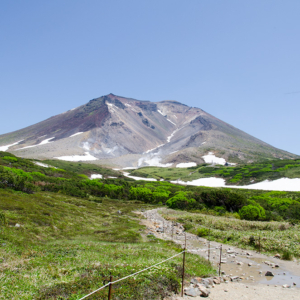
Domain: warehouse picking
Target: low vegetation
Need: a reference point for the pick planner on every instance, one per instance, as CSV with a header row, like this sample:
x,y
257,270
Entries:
x,y
57,246
269,237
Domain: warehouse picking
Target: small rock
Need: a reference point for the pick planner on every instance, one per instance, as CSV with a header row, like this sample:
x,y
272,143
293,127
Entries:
x,y
216,281
294,283
225,291
192,292
17,225
277,255
203,291
286,286
234,278
249,264
268,273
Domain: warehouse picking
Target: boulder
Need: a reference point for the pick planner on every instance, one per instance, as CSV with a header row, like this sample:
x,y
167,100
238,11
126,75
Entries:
x,y
192,292
269,273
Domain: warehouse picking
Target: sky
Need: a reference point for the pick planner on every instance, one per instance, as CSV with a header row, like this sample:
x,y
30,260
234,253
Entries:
x,y
237,60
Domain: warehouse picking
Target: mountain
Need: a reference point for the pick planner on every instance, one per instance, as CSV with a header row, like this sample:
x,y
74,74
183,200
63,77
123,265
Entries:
x,y
125,132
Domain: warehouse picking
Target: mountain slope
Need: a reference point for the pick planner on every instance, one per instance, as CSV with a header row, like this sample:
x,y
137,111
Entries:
x,y
125,132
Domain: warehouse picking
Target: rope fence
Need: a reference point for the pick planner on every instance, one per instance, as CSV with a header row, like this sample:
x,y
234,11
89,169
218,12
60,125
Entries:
x,y
131,275
111,282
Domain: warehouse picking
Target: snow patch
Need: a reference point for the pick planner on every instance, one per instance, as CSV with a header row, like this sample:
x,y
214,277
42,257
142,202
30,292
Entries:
x,y
171,122
172,134
211,158
186,165
211,182
154,148
138,178
282,184
43,165
160,112
4,148
203,143
75,134
86,157
127,104
96,176
174,151
44,142
128,168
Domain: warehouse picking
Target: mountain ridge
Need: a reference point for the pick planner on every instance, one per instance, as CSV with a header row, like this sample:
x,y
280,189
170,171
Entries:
x,y
114,129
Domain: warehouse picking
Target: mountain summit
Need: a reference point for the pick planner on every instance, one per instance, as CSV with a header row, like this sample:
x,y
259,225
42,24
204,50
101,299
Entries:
x,y
126,132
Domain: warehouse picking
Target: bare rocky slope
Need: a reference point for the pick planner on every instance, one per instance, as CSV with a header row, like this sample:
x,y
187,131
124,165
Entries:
x,y
125,132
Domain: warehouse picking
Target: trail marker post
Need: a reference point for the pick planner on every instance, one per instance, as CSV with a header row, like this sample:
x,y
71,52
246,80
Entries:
x,y
220,260
208,252
110,288
183,265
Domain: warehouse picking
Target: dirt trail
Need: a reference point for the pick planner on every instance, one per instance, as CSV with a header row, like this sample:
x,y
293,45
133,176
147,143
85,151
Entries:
x,y
249,265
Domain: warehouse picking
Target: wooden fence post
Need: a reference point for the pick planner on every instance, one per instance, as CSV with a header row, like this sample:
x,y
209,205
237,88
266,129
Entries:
x,y
220,260
110,288
183,266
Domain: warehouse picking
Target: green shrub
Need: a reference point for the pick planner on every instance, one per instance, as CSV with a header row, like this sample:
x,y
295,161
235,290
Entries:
x,y
2,218
252,212
202,231
287,255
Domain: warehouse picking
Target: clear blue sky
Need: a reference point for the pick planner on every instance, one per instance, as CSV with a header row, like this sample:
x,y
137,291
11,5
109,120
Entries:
x,y
238,60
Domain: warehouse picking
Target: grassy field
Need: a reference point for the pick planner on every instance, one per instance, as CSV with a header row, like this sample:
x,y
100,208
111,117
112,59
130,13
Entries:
x,y
54,246
276,237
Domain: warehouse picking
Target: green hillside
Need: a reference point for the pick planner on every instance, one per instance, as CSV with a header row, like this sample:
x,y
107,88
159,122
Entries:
x,y
234,175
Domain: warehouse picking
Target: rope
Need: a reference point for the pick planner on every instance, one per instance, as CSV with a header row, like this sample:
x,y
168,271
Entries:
x,y
203,249
113,282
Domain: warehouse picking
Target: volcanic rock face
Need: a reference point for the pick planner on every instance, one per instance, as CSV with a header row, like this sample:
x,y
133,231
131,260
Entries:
x,y
127,132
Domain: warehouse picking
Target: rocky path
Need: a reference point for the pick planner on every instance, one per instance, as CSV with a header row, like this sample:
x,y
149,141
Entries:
x,y
248,268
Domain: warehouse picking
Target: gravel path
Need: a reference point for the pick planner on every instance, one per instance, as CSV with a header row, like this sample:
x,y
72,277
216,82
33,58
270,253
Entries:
x,y
248,265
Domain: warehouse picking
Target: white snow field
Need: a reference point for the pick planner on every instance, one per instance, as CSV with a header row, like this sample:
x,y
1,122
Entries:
x,y
138,178
43,165
44,142
211,182
282,184
186,165
86,157
96,176
4,148
75,134
210,158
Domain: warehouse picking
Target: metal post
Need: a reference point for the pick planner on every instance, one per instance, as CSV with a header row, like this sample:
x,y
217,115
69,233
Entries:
x,y
172,229
183,266
259,244
220,260
110,288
